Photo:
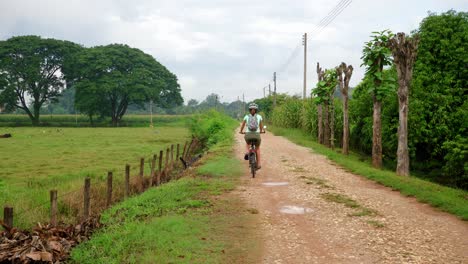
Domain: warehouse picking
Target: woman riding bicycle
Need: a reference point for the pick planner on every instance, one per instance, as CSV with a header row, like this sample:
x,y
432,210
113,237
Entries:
x,y
254,123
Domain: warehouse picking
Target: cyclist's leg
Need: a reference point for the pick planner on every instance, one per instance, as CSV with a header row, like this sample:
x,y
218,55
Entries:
x,y
247,147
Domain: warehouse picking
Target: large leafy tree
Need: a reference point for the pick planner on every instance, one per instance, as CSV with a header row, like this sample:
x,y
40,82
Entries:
x,y
377,55
31,72
110,78
438,121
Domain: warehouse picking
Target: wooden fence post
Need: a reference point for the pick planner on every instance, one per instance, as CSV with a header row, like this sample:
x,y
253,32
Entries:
x,y
158,179
187,154
185,148
177,155
166,169
127,181
142,170
172,156
8,216
53,207
86,198
153,167
142,167
109,189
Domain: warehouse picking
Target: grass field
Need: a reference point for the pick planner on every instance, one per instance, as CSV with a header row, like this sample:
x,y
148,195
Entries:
x,y
448,199
13,120
36,160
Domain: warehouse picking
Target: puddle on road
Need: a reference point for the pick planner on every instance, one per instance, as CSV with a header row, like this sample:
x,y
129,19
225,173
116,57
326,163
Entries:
x,y
291,209
275,183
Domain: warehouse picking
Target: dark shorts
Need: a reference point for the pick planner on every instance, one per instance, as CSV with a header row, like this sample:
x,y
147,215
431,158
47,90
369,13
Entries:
x,y
249,136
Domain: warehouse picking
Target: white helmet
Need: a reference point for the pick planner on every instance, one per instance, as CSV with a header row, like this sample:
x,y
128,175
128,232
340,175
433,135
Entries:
x,y
253,106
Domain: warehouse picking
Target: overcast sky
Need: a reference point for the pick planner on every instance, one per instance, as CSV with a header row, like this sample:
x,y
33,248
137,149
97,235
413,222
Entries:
x,y
224,47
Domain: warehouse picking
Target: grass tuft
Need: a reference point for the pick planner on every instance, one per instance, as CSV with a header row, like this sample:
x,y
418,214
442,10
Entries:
x,y
376,223
340,198
317,181
364,211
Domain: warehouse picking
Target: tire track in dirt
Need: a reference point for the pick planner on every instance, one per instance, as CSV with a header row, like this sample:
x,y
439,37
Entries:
x,y
387,227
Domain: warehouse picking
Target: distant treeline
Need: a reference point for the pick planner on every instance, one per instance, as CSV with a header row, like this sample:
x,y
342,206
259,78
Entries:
x,y
65,105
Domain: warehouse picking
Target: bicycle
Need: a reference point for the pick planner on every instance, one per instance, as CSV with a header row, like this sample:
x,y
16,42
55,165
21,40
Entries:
x,y
252,155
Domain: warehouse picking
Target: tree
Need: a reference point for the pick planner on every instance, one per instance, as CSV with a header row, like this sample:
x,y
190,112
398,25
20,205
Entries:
x,y
320,74
31,68
404,54
344,87
324,96
111,77
192,103
376,55
211,101
65,103
331,82
439,99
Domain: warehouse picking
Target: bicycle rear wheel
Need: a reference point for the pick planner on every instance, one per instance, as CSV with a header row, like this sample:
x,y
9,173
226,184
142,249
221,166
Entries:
x,y
253,164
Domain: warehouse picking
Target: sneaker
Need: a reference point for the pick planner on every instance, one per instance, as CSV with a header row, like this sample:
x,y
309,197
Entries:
x,y
246,156
259,167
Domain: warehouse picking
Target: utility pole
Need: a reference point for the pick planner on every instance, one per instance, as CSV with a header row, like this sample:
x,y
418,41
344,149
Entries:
x,y
274,89
151,113
243,104
239,110
264,92
304,42
269,89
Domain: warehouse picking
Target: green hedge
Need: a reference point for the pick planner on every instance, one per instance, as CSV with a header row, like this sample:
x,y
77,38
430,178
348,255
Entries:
x,y
212,127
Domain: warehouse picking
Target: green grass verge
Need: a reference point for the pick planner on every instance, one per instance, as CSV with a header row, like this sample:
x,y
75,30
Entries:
x,y
178,222
163,225
447,199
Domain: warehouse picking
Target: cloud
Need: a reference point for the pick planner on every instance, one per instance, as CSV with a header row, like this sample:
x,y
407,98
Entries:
x,y
227,47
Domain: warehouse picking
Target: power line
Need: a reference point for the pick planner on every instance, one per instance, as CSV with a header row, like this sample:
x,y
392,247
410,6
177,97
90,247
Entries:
x,y
293,55
339,12
322,21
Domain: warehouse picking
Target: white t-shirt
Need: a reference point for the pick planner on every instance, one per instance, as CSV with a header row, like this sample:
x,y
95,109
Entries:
x,y
259,119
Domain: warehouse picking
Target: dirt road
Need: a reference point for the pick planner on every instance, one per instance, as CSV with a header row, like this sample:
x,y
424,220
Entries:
x,y
327,215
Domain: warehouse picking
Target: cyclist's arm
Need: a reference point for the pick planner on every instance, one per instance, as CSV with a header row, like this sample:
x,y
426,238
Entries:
x,y
242,126
261,127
